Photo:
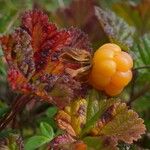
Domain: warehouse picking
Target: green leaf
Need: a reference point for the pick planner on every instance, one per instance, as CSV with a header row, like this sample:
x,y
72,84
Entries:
x,y
93,104
39,140
141,49
48,120
117,30
47,130
96,108
35,142
50,112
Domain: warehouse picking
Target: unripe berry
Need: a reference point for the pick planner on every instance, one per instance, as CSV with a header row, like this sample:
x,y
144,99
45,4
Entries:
x,y
111,70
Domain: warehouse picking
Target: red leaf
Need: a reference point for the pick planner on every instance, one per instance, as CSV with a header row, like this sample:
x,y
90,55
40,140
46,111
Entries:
x,y
79,39
46,38
46,61
18,81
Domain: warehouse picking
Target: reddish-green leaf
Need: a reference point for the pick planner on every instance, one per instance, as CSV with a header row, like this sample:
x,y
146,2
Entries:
x,y
46,61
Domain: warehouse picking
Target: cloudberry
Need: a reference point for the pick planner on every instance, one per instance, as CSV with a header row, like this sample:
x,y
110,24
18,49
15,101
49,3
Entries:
x,y
111,70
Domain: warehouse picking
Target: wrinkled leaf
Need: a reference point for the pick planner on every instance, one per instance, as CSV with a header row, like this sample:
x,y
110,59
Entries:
x,y
125,124
112,119
116,28
63,120
75,120
78,115
45,60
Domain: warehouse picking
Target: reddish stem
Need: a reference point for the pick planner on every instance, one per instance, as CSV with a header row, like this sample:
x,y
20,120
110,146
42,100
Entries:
x,y
16,108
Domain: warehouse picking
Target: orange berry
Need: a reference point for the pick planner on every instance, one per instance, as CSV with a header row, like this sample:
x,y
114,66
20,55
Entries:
x,y
124,61
121,79
106,51
105,67
111,46
111,69
98,81
101,54
113,90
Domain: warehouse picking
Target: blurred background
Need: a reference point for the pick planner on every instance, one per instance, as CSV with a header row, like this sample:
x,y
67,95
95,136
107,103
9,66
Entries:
x,y
81,14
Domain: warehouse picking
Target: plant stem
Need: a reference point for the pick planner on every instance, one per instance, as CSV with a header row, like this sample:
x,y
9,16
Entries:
x,y
134,96
135,73
16,107
142,67
145,89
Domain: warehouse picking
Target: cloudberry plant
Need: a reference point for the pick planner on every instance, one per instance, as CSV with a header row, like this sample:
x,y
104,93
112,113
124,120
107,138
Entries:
x,y
111,70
